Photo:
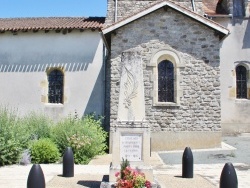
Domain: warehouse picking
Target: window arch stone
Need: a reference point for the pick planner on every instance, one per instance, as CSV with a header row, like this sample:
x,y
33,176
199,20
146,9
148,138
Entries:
x,y
173,57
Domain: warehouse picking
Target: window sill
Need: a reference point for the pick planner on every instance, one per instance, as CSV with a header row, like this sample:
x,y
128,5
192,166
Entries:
x,y
52,105
166,104
242,101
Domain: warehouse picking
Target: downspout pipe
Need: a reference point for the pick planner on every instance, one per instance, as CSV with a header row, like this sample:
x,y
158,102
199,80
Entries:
x,y
193,5
115,10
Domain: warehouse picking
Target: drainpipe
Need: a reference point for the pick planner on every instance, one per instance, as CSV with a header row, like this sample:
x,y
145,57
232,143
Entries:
x,y
193,5
115,10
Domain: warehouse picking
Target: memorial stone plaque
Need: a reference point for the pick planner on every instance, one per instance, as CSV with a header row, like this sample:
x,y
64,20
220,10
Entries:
x,y
131,147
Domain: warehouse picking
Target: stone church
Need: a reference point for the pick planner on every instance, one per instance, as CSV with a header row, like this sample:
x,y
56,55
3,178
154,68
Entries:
x,y
194,56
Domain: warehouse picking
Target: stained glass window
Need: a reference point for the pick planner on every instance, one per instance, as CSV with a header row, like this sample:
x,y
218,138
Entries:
x,y
241,81
55,79
165,81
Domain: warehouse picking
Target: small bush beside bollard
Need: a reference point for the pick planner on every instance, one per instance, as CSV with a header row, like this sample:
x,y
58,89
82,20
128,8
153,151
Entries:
x,y
68,163
36,177
187,163
228,178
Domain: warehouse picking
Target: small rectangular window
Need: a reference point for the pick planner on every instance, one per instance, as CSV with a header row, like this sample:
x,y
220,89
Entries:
x,y
55,90
241,82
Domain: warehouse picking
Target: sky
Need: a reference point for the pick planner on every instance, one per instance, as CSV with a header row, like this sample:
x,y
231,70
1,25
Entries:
x,y
52,8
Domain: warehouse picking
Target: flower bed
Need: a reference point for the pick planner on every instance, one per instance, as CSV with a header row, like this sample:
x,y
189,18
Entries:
x,y
130,178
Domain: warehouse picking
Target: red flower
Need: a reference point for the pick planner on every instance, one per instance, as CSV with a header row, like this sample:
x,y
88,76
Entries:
x,y
131,179
117,174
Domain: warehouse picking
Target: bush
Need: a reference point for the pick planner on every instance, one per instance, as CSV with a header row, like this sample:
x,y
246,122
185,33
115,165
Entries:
x,y
44,151
86,137
10,145
9,151
37,125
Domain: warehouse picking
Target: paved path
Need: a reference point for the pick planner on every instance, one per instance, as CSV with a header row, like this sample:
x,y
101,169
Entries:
x,y
167,169
209,163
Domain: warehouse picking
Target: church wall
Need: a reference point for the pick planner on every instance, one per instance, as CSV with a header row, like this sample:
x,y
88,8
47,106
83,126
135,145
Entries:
x,y
126,8
198,113
25,59
235,50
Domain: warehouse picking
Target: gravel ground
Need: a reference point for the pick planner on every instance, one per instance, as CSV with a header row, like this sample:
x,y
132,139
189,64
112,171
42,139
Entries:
x,y
242,152
171,181
240,155
79,180
207,169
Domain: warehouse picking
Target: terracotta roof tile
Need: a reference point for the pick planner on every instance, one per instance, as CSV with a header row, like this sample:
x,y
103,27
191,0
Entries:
x,y
214,7
50,23
209,6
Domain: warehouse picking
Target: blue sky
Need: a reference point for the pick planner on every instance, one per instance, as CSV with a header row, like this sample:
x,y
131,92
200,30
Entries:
x,y
51,8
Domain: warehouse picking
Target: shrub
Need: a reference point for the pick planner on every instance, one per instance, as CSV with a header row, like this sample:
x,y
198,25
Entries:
x,y
79,144
38,125
9,151
63,130
10,145
44,151
86,137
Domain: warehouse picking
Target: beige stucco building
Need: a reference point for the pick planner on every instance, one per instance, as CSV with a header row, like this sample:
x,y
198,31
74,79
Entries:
x,y
32,48
195,56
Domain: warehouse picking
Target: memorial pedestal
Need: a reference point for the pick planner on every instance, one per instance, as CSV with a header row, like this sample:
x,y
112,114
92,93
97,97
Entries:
x,y
131,133
132,144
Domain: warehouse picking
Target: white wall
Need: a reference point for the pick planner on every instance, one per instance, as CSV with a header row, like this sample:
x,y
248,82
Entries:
x,y
25,57
236,47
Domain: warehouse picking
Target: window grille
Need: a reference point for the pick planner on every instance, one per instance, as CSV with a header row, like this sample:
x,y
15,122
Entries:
x,y
165,81
55,79
241,81
238,8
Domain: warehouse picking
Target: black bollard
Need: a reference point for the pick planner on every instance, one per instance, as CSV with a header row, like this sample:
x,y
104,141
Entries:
x,y
228,178
68,163
187,163
36,177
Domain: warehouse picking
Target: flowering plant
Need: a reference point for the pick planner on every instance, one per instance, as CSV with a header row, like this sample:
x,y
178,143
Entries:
x,y
131,179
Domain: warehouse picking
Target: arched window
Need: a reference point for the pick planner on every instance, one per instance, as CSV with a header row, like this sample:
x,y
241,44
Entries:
x,y
165,81
241,81
166,78
55,92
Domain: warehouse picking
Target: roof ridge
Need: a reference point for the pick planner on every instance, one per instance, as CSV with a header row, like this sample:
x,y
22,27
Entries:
x,y
52,17
50,23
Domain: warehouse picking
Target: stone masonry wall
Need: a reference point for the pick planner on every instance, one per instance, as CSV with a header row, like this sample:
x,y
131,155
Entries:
x,y
198,49
129,7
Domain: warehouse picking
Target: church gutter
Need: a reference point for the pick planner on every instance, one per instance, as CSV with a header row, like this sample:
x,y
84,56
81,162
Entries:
x,y
116,10
193,5
105,41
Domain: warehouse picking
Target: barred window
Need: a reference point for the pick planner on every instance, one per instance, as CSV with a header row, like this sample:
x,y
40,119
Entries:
x,y
55,93
241,81
238,8
165,81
